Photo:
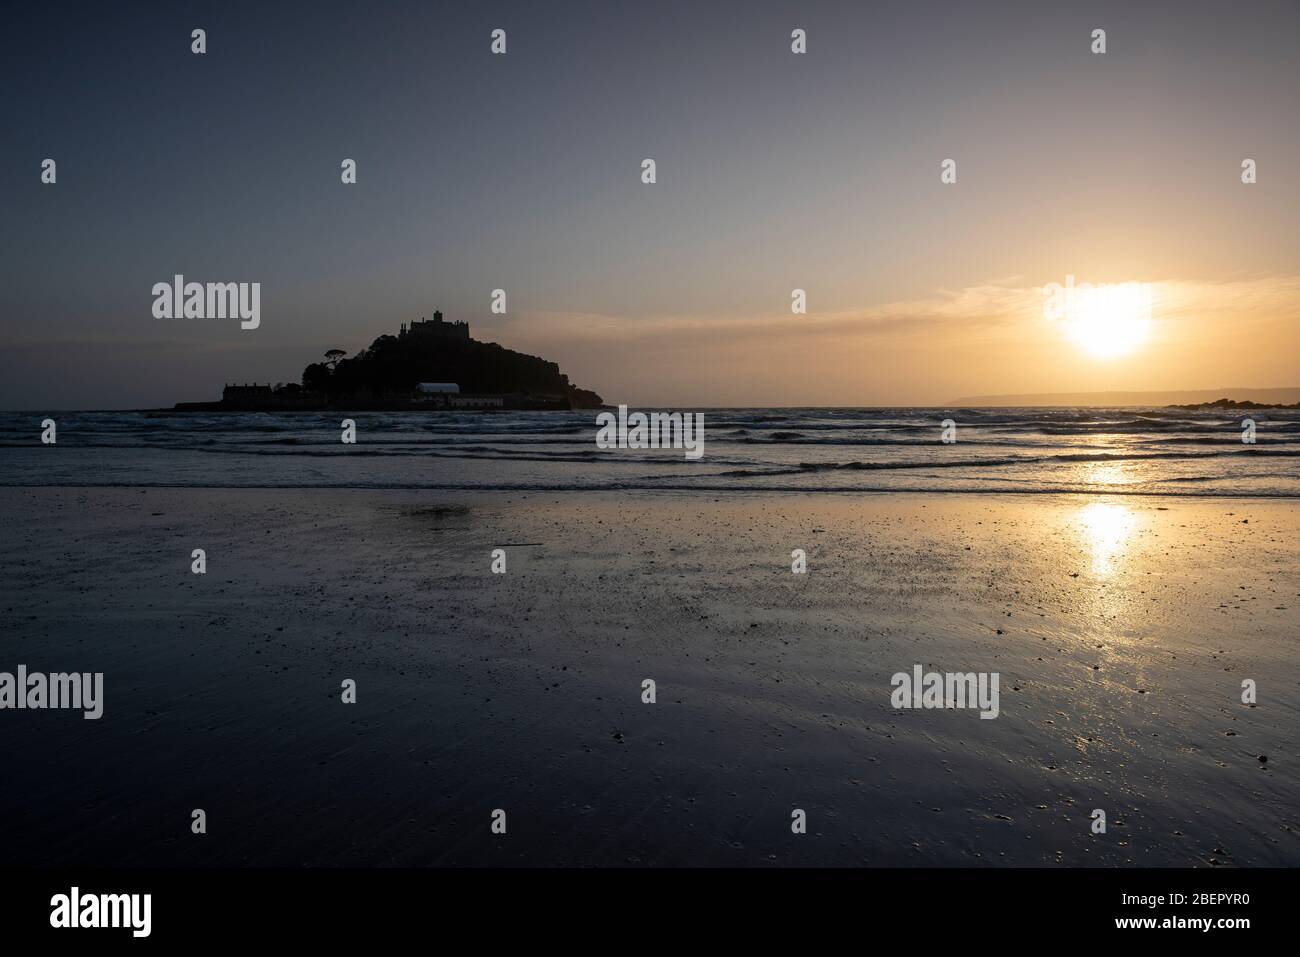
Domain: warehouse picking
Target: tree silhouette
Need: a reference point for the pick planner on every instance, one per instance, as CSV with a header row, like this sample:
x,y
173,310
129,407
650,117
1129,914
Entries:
x,y
333,356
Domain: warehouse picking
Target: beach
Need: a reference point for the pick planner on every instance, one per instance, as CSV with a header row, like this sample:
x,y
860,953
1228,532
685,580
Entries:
x,y
1122,628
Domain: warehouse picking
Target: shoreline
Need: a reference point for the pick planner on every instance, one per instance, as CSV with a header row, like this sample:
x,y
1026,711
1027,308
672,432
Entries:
x,y
683,490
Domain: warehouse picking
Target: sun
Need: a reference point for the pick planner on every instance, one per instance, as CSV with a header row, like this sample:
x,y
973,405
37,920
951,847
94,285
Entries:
x,y
1109,322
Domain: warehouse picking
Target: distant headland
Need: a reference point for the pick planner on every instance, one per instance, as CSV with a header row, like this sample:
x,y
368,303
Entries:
x,y
428,365
1235,404
1184,398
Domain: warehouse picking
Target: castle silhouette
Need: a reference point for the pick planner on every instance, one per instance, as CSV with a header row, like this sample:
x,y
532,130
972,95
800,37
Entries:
x,y
435,328
403,372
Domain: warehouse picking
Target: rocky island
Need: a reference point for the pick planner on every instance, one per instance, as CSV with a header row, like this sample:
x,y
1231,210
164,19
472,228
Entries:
x,y
428,365
1234,404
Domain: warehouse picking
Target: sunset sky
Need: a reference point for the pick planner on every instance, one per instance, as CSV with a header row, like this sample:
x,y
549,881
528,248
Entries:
x,y
775,171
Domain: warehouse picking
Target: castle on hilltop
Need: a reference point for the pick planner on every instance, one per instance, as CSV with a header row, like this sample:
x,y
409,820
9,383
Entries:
x,y
436,328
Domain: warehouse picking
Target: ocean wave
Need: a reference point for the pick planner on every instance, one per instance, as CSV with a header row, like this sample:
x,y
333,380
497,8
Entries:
x,y
1002,450
1018,460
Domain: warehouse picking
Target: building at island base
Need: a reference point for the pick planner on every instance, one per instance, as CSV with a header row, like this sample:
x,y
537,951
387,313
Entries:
x,y
260,398
481,401
447,395
247,393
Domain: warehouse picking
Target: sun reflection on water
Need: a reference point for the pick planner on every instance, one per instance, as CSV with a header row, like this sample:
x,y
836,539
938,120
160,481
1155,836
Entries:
x,y
1105,473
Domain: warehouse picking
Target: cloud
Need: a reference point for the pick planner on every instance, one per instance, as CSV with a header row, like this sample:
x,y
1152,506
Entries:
x,y
989,308
989,337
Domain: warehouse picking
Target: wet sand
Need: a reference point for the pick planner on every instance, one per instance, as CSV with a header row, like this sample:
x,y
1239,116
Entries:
x,y
1121,630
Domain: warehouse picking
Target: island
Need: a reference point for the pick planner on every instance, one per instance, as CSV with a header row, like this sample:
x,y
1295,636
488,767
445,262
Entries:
x,y
429,365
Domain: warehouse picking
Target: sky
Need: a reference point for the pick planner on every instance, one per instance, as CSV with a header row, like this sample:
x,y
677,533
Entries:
x,y
775,171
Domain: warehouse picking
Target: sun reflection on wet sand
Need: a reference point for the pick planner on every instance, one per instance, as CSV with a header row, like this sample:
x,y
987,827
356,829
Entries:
x,y
1106,529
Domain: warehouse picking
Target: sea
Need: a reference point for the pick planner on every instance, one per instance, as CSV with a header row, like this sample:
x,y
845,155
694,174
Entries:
x,y
1117,451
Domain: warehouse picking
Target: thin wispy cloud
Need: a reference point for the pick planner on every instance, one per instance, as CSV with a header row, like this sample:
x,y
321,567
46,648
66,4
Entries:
x,y
925,349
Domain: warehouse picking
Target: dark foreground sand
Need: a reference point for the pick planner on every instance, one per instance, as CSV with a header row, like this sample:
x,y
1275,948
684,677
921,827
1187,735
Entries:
x,y
1121,629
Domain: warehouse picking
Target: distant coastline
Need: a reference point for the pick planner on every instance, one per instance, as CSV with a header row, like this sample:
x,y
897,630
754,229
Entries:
x,y
1235,404
1283,397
